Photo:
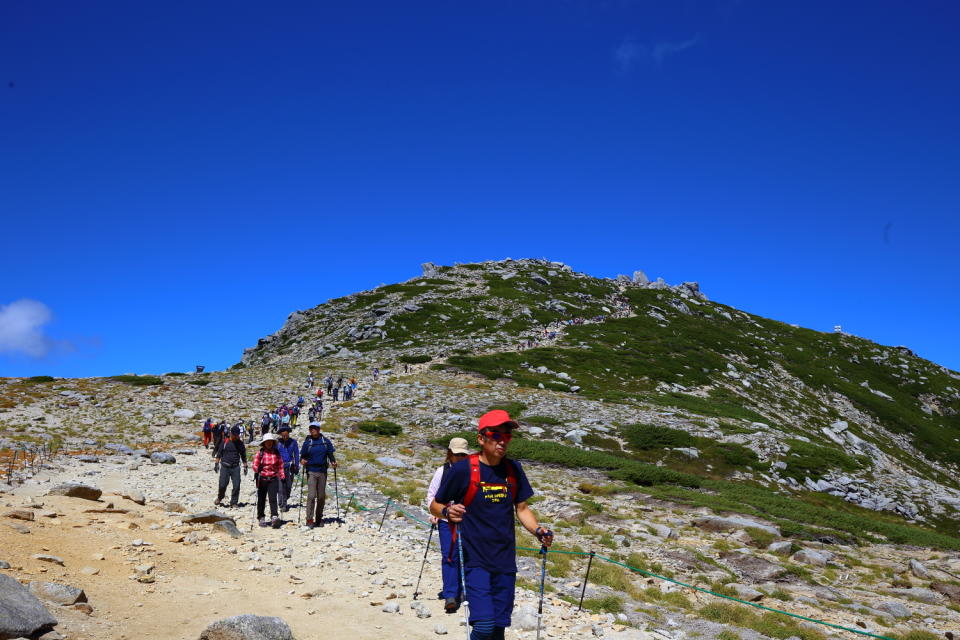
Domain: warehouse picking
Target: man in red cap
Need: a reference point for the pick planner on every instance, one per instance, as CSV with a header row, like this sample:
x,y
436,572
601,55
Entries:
x,y
480,496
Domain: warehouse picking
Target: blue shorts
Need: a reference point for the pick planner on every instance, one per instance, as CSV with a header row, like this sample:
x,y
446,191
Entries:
x,y
490,595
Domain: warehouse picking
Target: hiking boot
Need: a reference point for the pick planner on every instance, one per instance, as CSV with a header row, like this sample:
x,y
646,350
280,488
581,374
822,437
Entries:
x,y
234,506
216,502
277,523
450,605
264,523
310,524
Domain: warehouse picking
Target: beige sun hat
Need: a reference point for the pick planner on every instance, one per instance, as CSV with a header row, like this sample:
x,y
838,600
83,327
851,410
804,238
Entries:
x,y
269,436
458,445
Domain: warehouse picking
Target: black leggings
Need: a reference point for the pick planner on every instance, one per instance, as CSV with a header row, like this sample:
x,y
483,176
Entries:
x,y
267,487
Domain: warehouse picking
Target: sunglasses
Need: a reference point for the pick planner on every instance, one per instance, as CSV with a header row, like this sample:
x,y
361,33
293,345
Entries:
x,y
496,436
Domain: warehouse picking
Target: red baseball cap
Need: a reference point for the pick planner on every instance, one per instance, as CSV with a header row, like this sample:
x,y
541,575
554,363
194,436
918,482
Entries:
x,y
496,418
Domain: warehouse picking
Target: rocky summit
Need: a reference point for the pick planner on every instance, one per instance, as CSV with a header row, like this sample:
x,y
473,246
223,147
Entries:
x,y
697,451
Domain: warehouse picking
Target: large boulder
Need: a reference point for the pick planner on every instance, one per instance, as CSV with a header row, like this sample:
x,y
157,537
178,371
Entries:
x,y
161,457
812,556
184,414
952,591
76,490
248,627
58,593
732,523
21,614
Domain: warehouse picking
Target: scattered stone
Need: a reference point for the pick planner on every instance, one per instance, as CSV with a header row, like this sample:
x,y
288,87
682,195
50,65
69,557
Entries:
x,y
751,567
184,414
812,556
20,514
391,607
918,570
89,571
161,457
136,497
524,619
58,593
48,558
894,608
4,564
228,527
207,517
248,627
780,547
76,490
440,629
729,523
88,459
392,462
22,615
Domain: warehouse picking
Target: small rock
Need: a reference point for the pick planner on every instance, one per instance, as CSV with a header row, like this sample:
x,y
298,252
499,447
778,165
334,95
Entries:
x,y
894,608
440,629
918,570
248,627
76,490
391,607
48,558
135,496
781,547
814,557
20,514
161,457
59,593
206,517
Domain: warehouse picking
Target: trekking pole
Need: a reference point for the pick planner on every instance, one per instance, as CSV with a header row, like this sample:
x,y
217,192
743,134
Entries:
x,y
256,490
416,591
585,578
386,508
543,577
463,585
336,493
300,502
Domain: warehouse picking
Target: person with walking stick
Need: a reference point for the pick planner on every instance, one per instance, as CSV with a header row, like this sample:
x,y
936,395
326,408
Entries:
x,y
316,455
479,498
450,566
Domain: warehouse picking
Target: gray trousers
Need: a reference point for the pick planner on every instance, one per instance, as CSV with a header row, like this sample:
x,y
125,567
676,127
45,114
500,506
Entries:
x,y
316,494
229,474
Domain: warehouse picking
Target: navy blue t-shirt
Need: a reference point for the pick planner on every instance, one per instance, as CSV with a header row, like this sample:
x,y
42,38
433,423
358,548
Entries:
x,y
487,528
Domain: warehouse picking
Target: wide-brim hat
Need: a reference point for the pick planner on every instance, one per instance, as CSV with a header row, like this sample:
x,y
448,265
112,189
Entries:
x,y
269,436
459,445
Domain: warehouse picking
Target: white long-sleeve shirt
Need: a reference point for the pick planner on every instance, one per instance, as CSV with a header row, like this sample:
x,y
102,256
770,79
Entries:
x,y
434,487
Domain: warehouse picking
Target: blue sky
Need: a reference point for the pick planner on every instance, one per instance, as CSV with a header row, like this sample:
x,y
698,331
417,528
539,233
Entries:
x,y
176,178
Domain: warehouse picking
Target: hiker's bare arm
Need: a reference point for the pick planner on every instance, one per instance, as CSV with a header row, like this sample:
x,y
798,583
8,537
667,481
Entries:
x,y
529,521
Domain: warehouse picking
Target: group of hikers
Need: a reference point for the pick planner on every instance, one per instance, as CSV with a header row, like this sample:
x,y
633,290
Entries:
x,y
472,500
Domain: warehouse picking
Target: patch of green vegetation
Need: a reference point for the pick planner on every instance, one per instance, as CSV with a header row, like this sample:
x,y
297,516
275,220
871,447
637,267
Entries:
x,y
512,407
769,624
720,404
806,459
380,427
916,634
418,359
761,537
175,374
138,381
620,467
200,383
644,437
604,604
39,379
727,635
547,420
806,515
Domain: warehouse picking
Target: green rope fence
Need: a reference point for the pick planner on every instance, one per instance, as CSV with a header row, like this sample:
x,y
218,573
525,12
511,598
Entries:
x,y
389,503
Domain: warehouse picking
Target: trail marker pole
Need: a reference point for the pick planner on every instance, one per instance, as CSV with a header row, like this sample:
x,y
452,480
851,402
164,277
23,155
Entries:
x,y
583,591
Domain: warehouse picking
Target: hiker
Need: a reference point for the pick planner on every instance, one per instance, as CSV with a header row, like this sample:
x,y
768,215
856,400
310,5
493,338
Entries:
x,y
309,379
336,393
294,415
291,465
479,497
450,562
329,383
229,457
376,373
284,417
274,420
207,432
268,467
353,386
219,435
265,423
241,426
316,455
319,392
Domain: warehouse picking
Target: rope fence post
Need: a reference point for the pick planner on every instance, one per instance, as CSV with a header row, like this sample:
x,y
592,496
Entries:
x,y
586,578
386,508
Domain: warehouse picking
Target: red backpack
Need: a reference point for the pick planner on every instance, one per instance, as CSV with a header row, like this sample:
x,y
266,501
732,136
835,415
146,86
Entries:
x,y
475,481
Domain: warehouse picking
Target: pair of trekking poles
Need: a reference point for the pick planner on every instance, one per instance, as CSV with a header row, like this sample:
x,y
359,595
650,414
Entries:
x,y
463,579
336,492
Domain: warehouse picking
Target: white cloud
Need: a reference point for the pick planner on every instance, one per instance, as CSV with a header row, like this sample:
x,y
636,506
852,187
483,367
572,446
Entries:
x,y
21,328
663,50
630,54
627,55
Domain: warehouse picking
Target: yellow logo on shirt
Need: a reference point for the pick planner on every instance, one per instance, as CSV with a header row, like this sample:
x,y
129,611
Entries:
x,y
494,493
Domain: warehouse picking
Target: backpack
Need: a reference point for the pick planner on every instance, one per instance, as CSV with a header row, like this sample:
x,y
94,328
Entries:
x,y
475,481
308,444
266,420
